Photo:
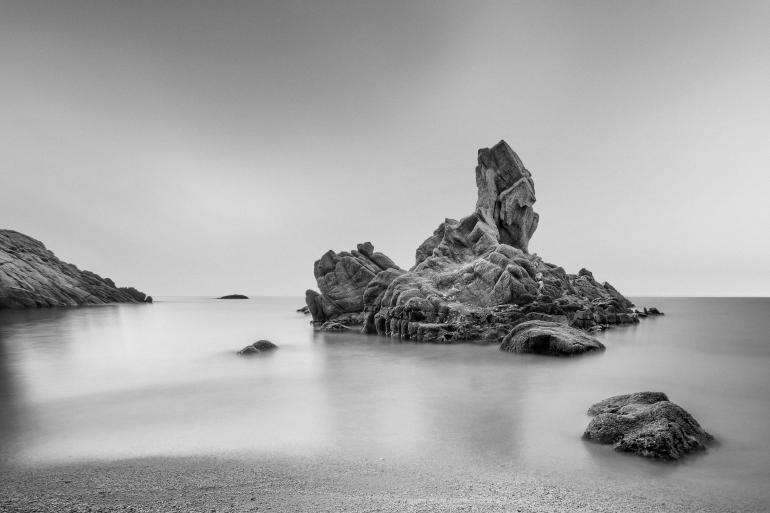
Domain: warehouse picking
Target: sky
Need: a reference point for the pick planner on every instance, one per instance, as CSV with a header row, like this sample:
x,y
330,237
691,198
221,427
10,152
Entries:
x,y
205,148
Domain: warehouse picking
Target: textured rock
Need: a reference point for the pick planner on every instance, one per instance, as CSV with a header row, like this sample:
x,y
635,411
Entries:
x,y
234,296
342,279
473,278
260,346
647,424
549,338
31,276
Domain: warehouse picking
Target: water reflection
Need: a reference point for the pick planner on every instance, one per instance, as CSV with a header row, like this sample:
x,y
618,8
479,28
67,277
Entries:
x,y
136,380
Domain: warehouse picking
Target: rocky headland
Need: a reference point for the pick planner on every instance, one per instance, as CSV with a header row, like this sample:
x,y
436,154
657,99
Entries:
x,y
473,278
31,276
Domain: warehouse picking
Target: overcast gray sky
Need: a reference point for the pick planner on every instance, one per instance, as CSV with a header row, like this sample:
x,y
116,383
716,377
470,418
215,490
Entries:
x,y
215,147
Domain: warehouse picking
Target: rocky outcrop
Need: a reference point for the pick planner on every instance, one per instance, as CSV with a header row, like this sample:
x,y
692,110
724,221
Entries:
x,y
31,276
258,347
647,424
549,338
473,278
343,279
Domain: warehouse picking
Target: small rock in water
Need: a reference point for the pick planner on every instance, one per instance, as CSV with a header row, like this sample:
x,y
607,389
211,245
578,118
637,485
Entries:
x,y
260,346
334,326
234,296
652,311
304,310
549,338
647,424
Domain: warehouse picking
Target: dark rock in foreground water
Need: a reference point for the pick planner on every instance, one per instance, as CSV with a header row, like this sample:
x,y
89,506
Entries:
x,y
31,276
549,338
234,296
647,424
473,278
260,346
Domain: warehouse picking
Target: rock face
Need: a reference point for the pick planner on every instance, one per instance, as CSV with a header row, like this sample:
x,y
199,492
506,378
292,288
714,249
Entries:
x,y
473,278
342,279
31,276
549,338
260,346
647,424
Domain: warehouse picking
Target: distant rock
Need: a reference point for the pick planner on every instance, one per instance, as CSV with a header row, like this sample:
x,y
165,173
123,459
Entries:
x,y
647,424
473,278
234,296
549,338
260,346
304,310
652,311
31,276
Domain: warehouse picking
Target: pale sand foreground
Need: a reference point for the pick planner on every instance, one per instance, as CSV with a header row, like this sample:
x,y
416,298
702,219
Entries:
x,y
208,484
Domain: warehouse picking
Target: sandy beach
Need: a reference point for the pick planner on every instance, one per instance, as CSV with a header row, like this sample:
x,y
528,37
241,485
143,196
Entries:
x,y
211,484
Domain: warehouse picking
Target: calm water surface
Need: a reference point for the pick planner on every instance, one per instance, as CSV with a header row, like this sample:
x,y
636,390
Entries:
x,y
121,381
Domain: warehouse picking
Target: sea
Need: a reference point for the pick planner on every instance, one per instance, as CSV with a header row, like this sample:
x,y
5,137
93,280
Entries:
x,y
105,383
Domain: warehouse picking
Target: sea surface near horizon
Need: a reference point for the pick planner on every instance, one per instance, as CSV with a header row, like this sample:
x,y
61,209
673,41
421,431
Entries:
x,y
125,381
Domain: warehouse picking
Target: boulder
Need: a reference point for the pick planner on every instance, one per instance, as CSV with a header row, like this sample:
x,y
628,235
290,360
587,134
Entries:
x,y
549,338
646,424
260,346
234,296
342,279
473,278
31,276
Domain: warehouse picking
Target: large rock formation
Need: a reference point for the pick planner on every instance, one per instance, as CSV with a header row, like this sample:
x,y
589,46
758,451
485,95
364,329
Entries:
x,y
31,276
647,424
473,278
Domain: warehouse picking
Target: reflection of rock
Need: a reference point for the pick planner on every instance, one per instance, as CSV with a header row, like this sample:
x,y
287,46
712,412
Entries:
x,y
234,296
32,276
260,346
549,338
647,424
473,278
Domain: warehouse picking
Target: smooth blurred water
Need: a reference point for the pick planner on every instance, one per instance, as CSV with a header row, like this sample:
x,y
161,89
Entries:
x,y
139,380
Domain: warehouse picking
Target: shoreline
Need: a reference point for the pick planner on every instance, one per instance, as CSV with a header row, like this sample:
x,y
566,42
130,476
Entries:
x,y
323,483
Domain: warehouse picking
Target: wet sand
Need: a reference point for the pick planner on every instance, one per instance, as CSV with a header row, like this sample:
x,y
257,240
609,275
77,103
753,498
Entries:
x,y
210,484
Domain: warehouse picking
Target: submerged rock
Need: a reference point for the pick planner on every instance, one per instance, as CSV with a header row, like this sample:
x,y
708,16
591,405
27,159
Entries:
x,y
234,296
473,278
31,276
549,338
647,424
260,346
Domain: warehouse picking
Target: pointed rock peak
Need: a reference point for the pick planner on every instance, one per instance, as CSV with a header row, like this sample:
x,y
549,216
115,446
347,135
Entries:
x,y
506,194
502,158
